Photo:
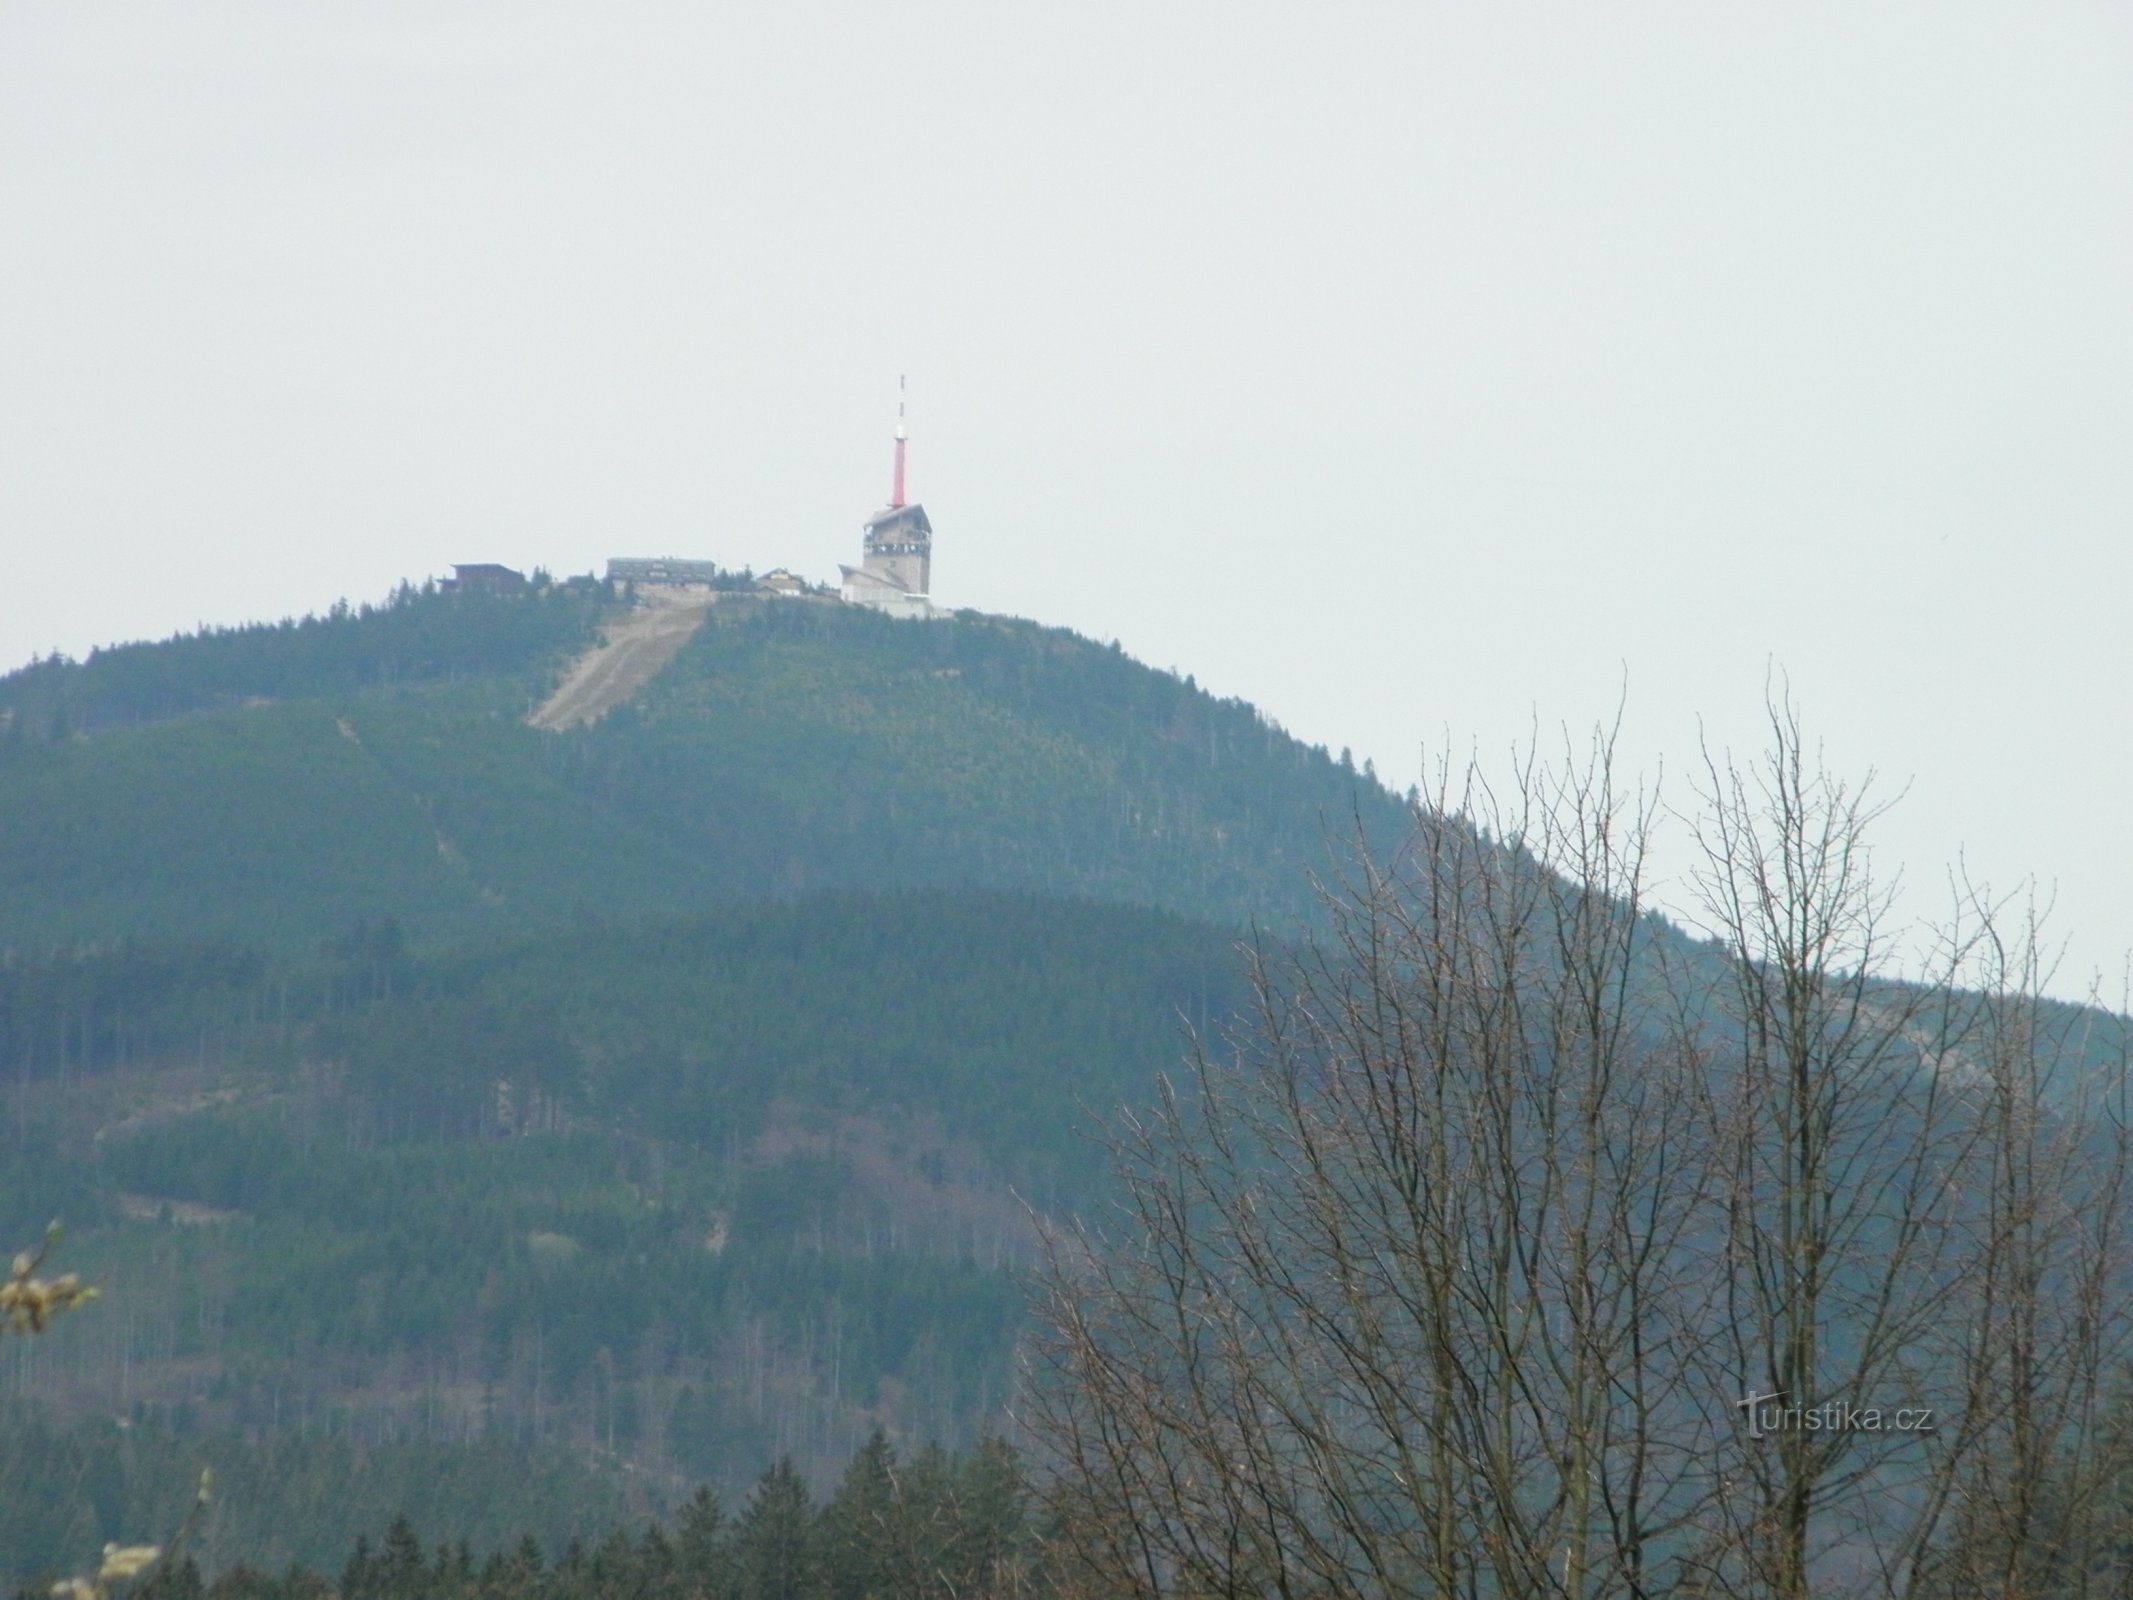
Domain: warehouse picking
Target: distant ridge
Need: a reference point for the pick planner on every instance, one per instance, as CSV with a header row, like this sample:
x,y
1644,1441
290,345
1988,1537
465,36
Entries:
x,y
282,784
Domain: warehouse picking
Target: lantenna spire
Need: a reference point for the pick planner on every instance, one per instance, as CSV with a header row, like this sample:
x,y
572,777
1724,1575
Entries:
x,y
896,484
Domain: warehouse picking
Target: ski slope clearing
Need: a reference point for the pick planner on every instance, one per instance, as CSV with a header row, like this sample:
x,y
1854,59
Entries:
x,y
630,656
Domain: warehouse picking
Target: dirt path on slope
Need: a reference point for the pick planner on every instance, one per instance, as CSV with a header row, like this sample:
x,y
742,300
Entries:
x,y
637,646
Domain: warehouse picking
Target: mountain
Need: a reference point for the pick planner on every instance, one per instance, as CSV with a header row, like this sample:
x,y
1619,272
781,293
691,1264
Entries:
x,y
671,1201
471,1106
641,1101
282,786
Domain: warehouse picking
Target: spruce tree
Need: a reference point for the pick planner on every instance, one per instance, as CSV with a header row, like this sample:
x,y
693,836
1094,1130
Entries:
x,y
774,1556
701,1560
862,1532
359,1578
403,1571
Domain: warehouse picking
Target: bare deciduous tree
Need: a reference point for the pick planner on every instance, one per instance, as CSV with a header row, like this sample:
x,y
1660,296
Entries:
x,y
1444,1273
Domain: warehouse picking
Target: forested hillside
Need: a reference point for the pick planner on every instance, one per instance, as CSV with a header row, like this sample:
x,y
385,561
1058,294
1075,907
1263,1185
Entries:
x,y
285,786
527,1127
422,635
920,1522
644,1100
664,1202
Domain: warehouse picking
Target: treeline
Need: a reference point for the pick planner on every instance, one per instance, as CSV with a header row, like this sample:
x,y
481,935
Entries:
x,y
790,747
999,1014
89,1009
850,748
936,1526
952,1527
932,1526
65,1492
578,1291
686,1197
417,635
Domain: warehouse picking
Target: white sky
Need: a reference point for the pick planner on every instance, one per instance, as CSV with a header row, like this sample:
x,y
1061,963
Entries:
x,y
1415,371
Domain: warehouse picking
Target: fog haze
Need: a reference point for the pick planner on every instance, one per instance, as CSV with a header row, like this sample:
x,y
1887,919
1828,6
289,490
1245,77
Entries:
x,y
1425,374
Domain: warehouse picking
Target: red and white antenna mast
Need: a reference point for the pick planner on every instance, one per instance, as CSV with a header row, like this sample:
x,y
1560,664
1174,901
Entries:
x,y
896,484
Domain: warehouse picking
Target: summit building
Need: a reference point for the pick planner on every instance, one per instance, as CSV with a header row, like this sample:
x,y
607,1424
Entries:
x,y
895,571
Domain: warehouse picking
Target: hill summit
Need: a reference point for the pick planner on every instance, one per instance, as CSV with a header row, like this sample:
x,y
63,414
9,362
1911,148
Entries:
x,y
283,784
514,1036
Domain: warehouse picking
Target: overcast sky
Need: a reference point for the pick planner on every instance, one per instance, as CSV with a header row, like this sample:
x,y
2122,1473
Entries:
x,y
1421,373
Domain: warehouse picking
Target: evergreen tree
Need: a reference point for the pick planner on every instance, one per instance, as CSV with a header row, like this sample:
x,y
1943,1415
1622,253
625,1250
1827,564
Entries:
x,y
528,1558
658,1566
994,1502
863,1537
701,1562
403,1572
774,1554
180,1582
243,1582
360,1577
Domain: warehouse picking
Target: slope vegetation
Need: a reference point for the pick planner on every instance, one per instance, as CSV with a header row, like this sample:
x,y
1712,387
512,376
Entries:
x,y
706,1192
285,786
469,1051
630,653
446,1031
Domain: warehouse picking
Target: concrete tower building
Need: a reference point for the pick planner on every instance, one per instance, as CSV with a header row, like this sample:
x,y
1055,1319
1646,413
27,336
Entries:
x,y
895,573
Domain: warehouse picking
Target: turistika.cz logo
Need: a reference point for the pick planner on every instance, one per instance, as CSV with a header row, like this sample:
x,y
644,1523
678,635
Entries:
x,y
1768,1414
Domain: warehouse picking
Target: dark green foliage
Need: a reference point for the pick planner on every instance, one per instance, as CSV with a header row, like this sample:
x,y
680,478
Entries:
x,y
699,1547
663,1094
65,1492
835,746
999,1014
563,1190
942,1528
859,1560
419,635
178,1580
774,1540
243,1582
788,747
480,1129
934,1525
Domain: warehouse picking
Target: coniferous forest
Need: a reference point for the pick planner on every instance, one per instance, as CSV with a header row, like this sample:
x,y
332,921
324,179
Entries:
x,y
532,1127
899,1109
